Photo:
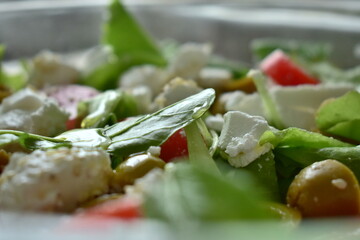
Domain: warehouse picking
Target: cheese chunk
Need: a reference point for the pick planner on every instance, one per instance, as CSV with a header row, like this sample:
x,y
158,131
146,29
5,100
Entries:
x,y
54,180
240,136
31,112
296,105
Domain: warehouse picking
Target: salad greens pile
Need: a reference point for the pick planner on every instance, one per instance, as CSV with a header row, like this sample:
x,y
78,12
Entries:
x,y
206,187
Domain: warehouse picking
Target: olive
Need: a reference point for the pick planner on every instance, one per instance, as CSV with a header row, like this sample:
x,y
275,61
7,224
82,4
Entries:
x,y
133,168
325,189
285,213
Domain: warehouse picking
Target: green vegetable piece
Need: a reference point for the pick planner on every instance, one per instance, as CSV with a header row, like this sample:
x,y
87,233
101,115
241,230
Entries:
x,y
30,141
341,116
297,137
130,44
128,39
105,109
15,81
272,114
199,154
93,137
188,193
308,51
153,129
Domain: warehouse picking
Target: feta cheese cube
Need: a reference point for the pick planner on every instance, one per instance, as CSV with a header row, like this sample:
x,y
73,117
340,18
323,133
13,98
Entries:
x,y
240,137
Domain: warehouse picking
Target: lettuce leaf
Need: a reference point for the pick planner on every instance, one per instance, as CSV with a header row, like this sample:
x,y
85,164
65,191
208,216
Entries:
x,y
130,44
296,148
341,116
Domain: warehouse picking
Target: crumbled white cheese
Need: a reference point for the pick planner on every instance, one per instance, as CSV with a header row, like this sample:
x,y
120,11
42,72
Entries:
x,y
296,105
154,150
147,75
32,112
48,69
176,90
190,59
212,77
143,97
240,138
339,183
54,180
215,122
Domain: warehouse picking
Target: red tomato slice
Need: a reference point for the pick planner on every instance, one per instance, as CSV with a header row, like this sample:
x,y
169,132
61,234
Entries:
x,y
284,71
123,208
174,147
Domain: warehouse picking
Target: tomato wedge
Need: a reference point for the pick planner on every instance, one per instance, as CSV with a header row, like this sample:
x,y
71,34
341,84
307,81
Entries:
x,y
175,147
284,71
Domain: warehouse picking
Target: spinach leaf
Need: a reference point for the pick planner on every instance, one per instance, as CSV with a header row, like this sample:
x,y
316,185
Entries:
x,y
106,109
308,51
153,129
30,141
337,118
188,193
130,45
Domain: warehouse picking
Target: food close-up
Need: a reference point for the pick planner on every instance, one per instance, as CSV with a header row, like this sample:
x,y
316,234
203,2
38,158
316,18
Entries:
x,y
137,129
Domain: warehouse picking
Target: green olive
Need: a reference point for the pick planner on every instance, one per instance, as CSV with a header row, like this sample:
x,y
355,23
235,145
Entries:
x,y
135,167
285,213
324,189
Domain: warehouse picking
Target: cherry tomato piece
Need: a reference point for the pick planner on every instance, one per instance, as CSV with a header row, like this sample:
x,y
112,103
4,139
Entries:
x,y
175,147
284,71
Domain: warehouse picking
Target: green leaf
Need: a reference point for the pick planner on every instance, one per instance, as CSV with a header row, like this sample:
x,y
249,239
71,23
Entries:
x,y
188,193
85,138
152,130
30,141
105,109
271,111
199,154
13,82
297,137
128,40
337,118
308,51
130,45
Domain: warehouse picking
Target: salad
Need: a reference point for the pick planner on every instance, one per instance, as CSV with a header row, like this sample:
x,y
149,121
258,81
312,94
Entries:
x,y
132,129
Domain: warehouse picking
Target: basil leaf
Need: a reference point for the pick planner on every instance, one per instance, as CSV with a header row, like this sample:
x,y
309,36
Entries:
x,y
154,129
337,118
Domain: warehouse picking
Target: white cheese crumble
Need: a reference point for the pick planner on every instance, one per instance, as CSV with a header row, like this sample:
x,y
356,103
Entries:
x,y
176,90
215,122
296,105
31,112
212,77
54,180
48,69
240,136
189,60
147,75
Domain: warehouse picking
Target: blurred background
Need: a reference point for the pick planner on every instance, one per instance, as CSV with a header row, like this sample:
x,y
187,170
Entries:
x,y
29,26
